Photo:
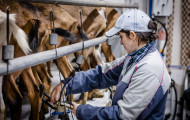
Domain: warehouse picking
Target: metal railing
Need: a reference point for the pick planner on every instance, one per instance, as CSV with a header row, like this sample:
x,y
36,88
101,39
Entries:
x,y
92,3
41,57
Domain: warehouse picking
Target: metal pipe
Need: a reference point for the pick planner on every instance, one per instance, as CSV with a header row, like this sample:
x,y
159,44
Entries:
x,y
92,3
42,57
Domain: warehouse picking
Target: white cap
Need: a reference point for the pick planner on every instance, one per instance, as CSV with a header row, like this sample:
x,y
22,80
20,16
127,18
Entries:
x,y
131,20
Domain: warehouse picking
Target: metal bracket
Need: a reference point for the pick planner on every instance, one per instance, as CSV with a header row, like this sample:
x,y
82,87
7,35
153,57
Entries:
x,y
53,39
7,52
80,59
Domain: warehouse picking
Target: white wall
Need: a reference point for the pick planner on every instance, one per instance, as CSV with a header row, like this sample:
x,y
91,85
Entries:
x,y
176,34
177,74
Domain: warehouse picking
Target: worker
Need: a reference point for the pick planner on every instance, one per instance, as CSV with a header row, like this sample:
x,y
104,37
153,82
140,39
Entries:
x,y
141,76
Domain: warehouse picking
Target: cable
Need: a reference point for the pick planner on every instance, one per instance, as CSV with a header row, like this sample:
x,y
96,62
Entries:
x,y
51,18
175,91
80,11
162,52
171,100
8,10
70,98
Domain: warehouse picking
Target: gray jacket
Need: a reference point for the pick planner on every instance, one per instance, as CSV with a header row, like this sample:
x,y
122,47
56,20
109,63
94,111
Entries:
x,y
141,91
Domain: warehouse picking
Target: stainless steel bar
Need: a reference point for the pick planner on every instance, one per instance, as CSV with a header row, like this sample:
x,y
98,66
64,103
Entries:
x,y
92,3
41,57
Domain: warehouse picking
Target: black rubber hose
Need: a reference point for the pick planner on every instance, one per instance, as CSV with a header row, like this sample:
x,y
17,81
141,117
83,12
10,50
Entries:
x,y
175,92
162,52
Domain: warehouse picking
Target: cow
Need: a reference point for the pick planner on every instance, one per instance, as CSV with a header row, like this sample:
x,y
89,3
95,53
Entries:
x,y
44,45
31,84
36,83
110,16
88,26
93,25
16,35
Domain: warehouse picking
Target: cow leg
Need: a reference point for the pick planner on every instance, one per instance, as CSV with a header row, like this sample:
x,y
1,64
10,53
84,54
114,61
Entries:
x,y
33,93
86,65
83,98
35,101
44,75
28,73
11,88
90,95
93,61
45,78
36,74
13,95
96,93
16,110
38,79
107,52
49,68
64,66
2,105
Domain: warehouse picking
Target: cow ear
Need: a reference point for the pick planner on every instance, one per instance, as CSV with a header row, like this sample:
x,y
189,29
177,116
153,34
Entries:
x,y
91,17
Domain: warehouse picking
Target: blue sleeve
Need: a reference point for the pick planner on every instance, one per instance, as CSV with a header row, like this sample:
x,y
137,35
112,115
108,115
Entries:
x,y
94,79
88,112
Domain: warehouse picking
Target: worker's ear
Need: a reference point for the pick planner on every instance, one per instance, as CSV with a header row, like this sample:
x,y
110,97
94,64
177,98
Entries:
x,y
133,36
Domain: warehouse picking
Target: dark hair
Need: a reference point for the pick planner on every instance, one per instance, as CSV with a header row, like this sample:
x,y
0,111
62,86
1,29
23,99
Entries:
x,y
146,36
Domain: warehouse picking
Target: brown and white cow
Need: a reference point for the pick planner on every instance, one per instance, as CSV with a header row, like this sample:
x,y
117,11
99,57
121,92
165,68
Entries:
x,y
62,20
18,36
26,20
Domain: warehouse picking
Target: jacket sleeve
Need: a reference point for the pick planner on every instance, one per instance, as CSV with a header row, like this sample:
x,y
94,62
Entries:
x,y
96,78
88,112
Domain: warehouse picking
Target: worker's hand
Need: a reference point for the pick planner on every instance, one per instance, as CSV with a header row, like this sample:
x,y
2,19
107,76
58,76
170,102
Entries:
x,y
74,108
55,94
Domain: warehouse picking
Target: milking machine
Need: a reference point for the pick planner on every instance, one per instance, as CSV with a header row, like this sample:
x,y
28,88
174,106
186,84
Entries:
x,y
63,107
